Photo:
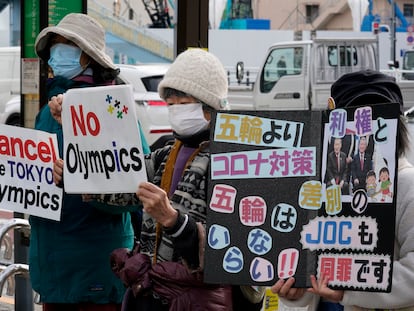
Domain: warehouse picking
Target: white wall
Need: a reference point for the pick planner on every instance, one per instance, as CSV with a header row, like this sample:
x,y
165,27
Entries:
x,y
231,46
249,46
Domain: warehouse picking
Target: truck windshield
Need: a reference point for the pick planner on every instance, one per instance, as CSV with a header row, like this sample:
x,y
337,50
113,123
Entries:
x,y
280,62
408,65
408,60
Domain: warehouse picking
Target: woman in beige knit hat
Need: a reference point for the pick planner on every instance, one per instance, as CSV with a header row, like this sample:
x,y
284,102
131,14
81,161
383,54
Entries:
x,y
174,200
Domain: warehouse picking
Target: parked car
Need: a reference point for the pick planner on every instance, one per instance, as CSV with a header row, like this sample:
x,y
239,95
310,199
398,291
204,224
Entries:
x,y
10,111
151,110
10,85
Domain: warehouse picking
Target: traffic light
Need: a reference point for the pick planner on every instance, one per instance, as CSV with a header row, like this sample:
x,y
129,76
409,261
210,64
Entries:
x,y
375,28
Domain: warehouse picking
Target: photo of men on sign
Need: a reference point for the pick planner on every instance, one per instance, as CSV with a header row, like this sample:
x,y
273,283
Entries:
x,y
338,163
355,162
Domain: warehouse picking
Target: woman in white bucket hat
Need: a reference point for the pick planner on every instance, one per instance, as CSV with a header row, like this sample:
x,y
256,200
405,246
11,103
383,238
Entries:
x,y
69,259
88,36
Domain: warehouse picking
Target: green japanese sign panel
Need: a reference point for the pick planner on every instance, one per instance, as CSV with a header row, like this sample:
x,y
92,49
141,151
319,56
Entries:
x,y
57,9
31,26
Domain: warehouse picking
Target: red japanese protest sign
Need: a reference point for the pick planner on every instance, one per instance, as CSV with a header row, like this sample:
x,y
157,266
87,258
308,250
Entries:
x,y
291,194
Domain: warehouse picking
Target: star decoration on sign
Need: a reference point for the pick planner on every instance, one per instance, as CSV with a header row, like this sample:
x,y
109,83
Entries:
x,y
115,107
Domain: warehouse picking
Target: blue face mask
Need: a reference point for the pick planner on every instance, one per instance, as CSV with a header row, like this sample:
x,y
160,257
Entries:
x,y
65,60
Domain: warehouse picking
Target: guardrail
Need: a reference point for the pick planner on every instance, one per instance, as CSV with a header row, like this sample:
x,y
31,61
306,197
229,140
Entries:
x,y
7,272
8,268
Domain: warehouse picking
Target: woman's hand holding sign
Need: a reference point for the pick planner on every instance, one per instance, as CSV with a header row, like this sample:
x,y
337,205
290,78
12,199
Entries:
x,y
156,203
283,288
55,106
320,287
58,172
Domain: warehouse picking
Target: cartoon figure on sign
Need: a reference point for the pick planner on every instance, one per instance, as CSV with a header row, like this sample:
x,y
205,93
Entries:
x,y
385,183
371,185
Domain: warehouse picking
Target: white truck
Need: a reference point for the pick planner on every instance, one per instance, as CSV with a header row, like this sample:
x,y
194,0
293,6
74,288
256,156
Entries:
x,y
408,65
298,75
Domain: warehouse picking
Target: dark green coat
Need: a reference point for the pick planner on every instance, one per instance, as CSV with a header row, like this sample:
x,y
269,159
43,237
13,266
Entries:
x,y
69,260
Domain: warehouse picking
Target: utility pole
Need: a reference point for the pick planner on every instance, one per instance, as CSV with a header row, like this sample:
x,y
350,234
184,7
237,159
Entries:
x,y
393,36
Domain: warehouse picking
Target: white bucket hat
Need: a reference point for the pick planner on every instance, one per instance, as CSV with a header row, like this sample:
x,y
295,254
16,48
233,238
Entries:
x,y
82,30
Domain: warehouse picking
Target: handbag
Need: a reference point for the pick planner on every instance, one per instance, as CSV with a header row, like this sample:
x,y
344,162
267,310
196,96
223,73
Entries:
x,y
165,285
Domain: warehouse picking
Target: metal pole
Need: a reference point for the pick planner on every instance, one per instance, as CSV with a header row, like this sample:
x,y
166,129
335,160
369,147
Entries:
x,y
393,37
23,295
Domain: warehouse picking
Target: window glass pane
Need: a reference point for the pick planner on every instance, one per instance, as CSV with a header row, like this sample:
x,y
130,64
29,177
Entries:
x,y
342,55
279,63
312,12
408,10
151,83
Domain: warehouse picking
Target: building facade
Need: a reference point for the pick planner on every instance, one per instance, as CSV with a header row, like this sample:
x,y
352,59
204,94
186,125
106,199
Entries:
x,y
330,14
296,15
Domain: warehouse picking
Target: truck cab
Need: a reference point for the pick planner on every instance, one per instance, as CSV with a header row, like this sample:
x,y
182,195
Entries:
x,y
298,75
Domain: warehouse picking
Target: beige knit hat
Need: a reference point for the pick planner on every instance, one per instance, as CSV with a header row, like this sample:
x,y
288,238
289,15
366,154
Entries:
x,y
82,30
200,74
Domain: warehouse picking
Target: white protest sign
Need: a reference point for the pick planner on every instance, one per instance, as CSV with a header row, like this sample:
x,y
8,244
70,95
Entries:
x,y
26,172
102,145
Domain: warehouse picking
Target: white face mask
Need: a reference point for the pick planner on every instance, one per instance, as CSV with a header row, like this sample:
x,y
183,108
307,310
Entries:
x,y
187,119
